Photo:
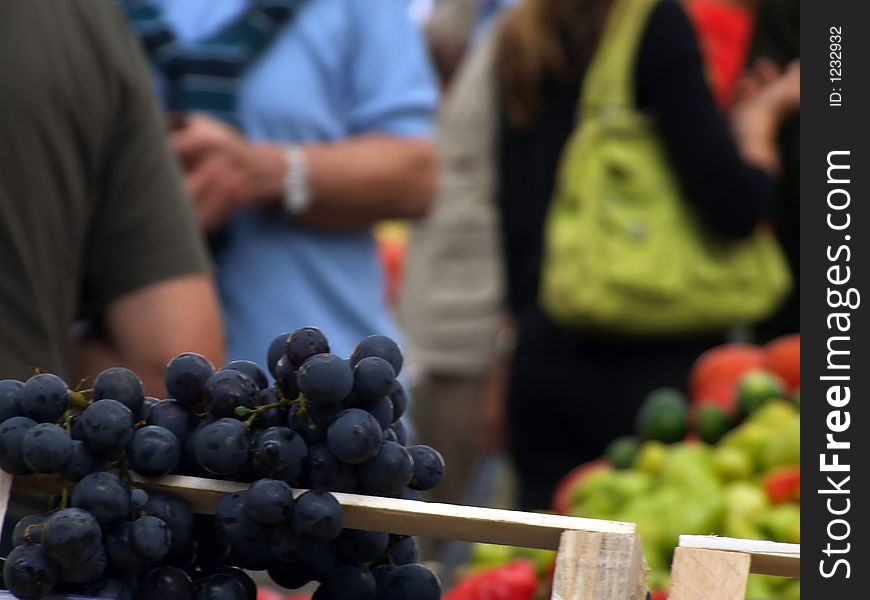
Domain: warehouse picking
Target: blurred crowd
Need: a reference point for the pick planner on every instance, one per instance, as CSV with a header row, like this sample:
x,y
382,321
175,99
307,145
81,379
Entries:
x,y
202,175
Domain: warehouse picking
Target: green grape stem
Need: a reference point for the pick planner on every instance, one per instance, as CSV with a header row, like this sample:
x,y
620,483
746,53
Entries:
x,y
78,399
253,413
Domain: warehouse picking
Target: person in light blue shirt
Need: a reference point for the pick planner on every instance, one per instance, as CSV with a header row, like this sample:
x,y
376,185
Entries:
x,y
326,129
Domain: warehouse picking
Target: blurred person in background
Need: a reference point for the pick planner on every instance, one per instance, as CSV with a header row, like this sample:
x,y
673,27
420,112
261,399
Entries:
x,y
776,44
95,226
570,392
453,284
304,122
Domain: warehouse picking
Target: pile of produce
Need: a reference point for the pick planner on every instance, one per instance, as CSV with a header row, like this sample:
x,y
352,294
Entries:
x,y
328,424
728,463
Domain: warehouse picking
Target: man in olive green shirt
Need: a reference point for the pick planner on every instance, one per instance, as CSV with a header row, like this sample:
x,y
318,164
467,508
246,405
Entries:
x,y
94,222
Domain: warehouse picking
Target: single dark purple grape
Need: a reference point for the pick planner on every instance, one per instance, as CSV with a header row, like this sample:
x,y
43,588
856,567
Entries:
x,y
382,411
222,446
325,379
166,583
81,462
46,447
8,403
269,501
285,378
28,530
123,385
186,376
106,425
327,473
12,432
428,467
279,453
119,550
354,436
176,513
69,536
380,346
276,351
317,517
91,569
138,499
104,496
411,581
28,573
44,398
154,451
150,537
220,586
347,582
172,415
109,588
400,400
358,546
388,472
304,343
252,370
246,582
403,550
228,389
373,379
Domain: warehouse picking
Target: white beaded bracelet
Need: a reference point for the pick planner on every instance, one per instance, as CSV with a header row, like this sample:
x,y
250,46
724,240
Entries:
x,y
297,190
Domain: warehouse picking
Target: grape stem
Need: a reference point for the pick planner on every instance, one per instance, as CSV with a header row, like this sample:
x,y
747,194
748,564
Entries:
x,y
66,420
78,400
253,413
30,527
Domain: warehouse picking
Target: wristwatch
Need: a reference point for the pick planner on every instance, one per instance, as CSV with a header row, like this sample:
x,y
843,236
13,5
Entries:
x,y
297,190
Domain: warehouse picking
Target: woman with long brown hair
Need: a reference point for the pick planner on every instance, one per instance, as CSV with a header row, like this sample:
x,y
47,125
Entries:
x,y
571,392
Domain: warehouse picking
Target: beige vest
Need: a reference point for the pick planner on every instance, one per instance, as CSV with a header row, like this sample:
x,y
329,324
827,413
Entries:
x,y
453,293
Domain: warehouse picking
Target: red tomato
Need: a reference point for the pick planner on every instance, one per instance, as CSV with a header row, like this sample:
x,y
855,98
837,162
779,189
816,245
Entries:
x,y
783,485
514,581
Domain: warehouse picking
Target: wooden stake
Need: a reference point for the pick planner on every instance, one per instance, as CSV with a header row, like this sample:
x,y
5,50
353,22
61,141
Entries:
x,y
768,558
709,575
408,517
599,566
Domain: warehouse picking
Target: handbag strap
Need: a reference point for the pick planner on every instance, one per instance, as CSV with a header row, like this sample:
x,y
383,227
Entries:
x,y
609,80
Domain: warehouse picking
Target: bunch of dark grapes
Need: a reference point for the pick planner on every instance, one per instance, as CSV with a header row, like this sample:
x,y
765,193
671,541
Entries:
x,y
327,424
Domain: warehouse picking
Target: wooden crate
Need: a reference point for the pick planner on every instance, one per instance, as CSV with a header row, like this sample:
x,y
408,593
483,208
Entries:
x,y
597,560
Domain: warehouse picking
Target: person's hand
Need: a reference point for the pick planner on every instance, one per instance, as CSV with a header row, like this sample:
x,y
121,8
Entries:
x,y
758,117
223,170
762,72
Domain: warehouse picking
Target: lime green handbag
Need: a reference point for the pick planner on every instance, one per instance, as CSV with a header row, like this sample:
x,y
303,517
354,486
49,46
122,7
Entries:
x,y
624,252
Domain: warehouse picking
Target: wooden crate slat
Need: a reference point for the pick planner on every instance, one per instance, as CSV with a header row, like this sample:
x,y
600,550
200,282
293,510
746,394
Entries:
x,y
700,574
768,558
427,519
594,565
